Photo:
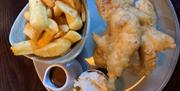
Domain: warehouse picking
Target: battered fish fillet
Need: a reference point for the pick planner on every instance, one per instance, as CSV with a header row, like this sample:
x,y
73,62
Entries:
x,y
124,39
159,40
130,38
153,41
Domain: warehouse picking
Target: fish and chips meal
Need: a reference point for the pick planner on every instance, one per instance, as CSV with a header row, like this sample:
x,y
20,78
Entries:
x,y
131,38
51,27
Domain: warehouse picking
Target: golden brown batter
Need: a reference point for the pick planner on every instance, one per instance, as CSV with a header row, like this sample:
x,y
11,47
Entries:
x,y
130,38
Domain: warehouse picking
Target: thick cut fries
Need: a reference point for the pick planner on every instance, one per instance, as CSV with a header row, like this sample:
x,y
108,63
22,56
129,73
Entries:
x,y
53,26
57,11
64,27
59,34
38,15
56,48
32,33
48,27
76,4
23,48
46,38
49,33
49,3
83,13
73,19
73,36
27,15
66,8
74,23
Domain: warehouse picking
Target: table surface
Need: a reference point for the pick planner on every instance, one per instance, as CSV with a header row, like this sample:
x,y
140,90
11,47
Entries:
x,y
18,73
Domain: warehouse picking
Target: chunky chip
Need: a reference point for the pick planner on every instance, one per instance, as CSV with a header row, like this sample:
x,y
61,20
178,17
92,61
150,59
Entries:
x,y
38,15
59,34
57,11
76,4
53,26
32,33
56,48
73,36
27,15
23,48
72,17
46,38
64,27
49,3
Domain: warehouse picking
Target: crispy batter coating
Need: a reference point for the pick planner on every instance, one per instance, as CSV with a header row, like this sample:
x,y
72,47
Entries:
x,y
147,7
123,41
153,41
131,38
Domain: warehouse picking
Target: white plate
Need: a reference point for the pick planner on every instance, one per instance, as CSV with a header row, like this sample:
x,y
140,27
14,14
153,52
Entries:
x,y
167,22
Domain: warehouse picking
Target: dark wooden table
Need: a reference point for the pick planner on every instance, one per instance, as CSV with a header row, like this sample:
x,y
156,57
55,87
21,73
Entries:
x,y
18,73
